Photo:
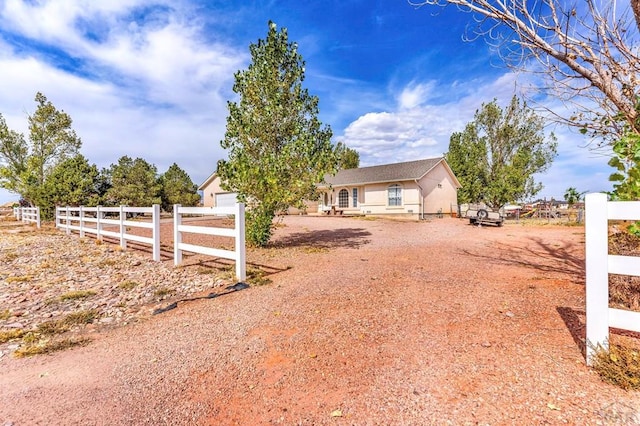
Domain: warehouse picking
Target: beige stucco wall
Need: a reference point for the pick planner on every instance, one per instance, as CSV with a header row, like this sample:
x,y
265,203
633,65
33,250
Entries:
x,y
209,192
377,199
435,192
439,189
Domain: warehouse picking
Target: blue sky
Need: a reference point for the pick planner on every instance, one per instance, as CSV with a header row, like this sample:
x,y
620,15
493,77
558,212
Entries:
x,y
151,79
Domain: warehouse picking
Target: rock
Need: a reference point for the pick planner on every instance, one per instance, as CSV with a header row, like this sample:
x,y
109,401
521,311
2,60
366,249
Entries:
x,y
15,325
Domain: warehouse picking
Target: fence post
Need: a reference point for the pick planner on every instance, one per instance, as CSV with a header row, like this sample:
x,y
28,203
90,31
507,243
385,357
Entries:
x,y
38,217
597,273
81,222
123,240
155,233
67,220
241,264
177,220
98,224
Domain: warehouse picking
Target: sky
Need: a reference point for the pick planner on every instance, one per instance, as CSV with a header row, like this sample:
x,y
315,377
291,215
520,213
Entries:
x,y
152,79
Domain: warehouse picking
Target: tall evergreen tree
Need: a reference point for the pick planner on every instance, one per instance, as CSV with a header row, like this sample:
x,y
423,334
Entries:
x,y
133,183
178,188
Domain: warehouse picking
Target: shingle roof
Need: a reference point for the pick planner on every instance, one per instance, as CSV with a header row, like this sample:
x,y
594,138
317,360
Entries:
x,y
396,172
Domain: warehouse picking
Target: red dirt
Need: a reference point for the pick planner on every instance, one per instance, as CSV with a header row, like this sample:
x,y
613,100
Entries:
x,y
365,322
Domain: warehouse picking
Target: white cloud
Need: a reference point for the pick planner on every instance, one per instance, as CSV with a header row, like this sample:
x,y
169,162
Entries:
x,y
154,89
421,128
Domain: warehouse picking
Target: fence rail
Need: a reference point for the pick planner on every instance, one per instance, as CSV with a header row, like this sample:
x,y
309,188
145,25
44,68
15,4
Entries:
x,y
28,214
599,264
92,220
238,233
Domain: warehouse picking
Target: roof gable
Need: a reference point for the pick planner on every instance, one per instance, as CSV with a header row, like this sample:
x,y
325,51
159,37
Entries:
x,y
210,179
409,170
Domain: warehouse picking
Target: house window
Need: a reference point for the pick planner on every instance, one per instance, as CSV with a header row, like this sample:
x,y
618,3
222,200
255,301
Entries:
x,y
395,195
354,192
343,199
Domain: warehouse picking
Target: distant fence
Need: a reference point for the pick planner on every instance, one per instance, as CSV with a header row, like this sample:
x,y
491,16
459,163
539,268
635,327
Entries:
x,y
93,219
238,233
28,214
599,264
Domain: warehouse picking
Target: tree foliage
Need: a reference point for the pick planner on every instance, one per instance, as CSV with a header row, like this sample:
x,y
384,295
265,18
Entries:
x,y
496,156
348,158
24,166
177,188
572,196
278,149
133,183
587,52
73,182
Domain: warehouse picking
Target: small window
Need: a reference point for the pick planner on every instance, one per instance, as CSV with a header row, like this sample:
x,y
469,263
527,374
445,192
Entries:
x,y
354,192
343,199
395,195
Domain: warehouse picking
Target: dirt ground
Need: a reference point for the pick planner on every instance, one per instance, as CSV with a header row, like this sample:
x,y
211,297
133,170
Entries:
x,y
365,322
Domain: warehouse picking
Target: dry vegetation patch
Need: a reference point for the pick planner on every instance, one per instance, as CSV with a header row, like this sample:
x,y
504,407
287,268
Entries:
x,y
55,288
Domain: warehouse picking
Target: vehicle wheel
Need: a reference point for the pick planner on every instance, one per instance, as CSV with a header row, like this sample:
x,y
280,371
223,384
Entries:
x,y
482,214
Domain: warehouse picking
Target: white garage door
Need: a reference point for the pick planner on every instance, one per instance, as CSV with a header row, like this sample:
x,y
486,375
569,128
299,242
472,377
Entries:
x,y
226,200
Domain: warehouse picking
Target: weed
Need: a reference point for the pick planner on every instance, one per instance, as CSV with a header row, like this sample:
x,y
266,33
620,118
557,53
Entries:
x,y
624,292
19,279
256,277
51,346
10,256
5,315
7,335
107,262
312,249
64,324
98,242
128,285
163,291
77,294
206,271
619,365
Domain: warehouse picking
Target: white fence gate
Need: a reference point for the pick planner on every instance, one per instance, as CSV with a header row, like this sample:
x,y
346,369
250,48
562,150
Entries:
x,y
238,233
599,264
92,220
28,214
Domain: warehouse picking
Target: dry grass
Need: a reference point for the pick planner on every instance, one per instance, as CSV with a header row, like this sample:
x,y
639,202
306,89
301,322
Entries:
x,y
65,324
128,285
19,279
7,335
619,365
163,291
5,315
9,256
45,347
77,294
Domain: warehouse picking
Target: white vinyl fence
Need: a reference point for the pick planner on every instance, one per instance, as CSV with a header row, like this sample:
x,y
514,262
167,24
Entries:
x,y
28,214
238,233
599,264
92,220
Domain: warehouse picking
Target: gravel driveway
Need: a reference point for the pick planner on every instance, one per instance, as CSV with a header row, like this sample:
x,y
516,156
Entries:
x,y
365,322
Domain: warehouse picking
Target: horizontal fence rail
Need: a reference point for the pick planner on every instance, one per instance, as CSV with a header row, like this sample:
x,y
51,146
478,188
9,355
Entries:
x,y
92,220
599,264
28,214
238,233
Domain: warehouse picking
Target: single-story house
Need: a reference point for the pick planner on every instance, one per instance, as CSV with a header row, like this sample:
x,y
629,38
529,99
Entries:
x,y
213,195
413,188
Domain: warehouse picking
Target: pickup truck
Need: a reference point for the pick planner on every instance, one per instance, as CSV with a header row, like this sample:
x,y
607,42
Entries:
x,y
480,214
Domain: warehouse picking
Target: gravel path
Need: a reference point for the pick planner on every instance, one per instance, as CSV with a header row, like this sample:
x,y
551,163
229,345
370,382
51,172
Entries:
x,y
365,322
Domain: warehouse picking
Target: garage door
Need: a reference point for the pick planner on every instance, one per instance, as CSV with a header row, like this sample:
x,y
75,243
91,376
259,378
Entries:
x,y
226,200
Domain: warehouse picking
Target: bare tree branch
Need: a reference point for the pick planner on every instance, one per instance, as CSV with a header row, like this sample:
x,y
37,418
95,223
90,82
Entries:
x,y
587,52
